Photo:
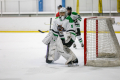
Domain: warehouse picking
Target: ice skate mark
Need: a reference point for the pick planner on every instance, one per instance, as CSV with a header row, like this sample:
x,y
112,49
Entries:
x,y
58,64
53,67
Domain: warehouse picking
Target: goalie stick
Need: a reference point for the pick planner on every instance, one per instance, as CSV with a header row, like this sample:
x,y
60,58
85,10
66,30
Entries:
x,y
47,54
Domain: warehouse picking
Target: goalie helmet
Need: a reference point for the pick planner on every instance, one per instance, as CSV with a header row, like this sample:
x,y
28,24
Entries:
x,y
65,11
62,10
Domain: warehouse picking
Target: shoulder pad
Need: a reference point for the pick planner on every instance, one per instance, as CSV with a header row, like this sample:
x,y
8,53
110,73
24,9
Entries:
x,y
70,19
74,13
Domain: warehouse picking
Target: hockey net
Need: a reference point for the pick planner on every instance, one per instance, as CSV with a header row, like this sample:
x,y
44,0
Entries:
x,y
101,44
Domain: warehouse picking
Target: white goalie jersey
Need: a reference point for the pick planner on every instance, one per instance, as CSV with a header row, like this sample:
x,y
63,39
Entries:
x,y
69,28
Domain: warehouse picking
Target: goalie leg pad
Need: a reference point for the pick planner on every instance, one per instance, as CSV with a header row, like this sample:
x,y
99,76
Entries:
x,y
48,38
65,51
53,53
69,51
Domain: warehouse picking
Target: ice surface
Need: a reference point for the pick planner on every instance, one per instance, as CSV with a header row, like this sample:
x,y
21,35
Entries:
x,y
22,58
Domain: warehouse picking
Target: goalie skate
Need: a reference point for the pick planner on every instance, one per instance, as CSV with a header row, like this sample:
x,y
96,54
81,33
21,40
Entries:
x,y
70,64
73,65
75,62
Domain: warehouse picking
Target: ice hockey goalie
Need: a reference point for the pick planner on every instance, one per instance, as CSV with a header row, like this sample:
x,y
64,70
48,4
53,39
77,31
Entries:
x,y
61,37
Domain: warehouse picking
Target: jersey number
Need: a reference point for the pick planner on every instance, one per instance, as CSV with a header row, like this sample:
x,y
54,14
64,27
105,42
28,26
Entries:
x,y
71,26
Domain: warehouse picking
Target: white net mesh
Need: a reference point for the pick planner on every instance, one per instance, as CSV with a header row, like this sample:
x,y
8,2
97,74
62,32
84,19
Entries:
x,y
102,45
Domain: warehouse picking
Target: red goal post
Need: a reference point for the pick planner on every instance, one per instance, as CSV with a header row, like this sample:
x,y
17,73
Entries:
x,y
85,38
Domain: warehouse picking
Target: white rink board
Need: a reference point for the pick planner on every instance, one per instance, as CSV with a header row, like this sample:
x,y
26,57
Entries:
x,y
36,23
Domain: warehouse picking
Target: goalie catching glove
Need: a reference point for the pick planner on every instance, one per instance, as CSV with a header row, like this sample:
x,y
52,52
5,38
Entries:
x,y
60,28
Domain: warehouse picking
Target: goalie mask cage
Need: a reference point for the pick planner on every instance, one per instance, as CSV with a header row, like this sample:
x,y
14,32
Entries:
x,y
101,47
